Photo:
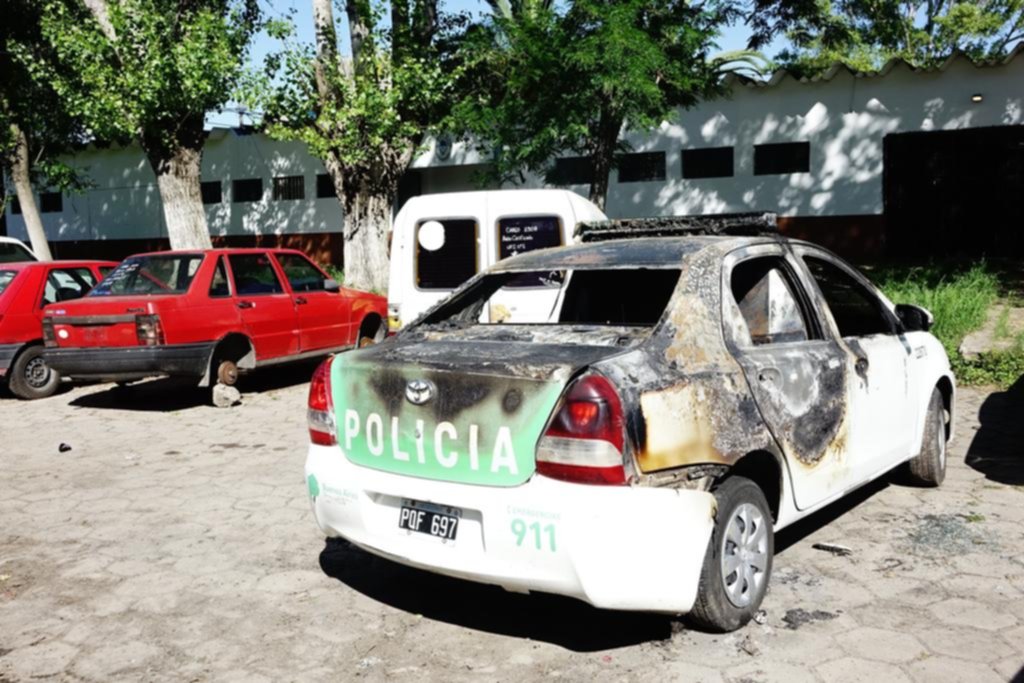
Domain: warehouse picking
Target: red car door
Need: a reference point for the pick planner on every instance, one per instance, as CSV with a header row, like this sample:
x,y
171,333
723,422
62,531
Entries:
x,y
325,318
266,308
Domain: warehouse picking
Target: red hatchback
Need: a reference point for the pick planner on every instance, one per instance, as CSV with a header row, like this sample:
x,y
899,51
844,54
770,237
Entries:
x,y
208,315
24,289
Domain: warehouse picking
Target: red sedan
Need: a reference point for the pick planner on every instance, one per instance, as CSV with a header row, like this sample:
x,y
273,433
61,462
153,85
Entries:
x,y
24,289
208,315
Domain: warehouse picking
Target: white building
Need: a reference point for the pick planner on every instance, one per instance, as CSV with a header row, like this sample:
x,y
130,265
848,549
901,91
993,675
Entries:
x,y
859,162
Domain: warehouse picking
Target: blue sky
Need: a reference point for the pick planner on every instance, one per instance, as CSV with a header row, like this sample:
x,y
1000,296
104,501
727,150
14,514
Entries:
x,y
733,38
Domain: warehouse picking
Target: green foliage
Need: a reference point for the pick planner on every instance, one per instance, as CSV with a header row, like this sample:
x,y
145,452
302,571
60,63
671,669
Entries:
x,y
32,104
557,80
337,274
959,297
864,34
169,62
396,92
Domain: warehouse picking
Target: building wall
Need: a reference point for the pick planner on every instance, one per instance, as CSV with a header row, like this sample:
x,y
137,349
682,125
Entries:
x,y
839,201
122,207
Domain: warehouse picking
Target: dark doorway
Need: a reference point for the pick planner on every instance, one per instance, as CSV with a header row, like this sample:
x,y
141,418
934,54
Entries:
x,y
955,193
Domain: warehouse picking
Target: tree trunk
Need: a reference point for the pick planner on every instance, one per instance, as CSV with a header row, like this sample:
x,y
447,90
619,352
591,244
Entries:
x,y
367,222
177,176
602,156
23,188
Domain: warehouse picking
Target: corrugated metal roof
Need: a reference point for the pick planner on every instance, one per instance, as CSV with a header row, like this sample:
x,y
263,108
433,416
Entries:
x,y
780,75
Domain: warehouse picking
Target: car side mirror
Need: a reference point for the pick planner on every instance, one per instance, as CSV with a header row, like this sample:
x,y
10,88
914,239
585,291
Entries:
x,y
331,285
915,318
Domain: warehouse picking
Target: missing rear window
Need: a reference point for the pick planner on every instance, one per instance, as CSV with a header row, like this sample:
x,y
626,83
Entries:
x,y
609,297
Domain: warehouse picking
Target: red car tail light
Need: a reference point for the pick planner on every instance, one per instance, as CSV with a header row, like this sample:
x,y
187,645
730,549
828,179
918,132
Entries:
x,y
149,330
585,440
320,412
49,337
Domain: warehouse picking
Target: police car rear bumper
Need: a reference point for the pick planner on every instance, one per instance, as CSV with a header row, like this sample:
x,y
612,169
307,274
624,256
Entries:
x,y
615,547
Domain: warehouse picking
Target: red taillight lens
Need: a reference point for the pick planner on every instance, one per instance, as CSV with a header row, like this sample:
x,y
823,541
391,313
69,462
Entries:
x,y
320,413
49,337
148,330
585,440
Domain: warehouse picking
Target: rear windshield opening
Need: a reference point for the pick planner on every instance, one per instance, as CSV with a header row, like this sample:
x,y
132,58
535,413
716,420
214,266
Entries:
x,y
611,297
147,275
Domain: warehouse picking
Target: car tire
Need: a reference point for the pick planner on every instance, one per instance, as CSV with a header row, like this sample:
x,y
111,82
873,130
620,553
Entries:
x,y
928,468
30,377
738,561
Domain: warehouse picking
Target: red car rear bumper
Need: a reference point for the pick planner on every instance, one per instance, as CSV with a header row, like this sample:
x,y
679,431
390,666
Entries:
x,y
131,362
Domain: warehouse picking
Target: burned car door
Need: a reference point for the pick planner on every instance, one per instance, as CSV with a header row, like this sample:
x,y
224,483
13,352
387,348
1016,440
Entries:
x,y
796,373
877,360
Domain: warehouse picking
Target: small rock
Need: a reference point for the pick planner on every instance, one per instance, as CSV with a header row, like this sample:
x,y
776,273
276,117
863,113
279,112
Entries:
x,y
64,448
225,396
834,548
749,646
760,617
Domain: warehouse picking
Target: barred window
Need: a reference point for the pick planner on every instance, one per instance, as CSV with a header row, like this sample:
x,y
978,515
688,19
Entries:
x,y
572,171
51,202
641,166
212,191
708,162
289,187
247,190
782,157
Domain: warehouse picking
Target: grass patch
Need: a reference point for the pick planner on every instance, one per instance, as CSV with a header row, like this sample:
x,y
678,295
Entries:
x,y
959,296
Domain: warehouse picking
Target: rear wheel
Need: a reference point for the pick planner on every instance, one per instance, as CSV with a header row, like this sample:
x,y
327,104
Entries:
x,y
31,377
738,562
928,468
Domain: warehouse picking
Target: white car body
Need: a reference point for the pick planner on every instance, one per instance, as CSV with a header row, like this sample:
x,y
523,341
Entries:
x,y
641,545
488,209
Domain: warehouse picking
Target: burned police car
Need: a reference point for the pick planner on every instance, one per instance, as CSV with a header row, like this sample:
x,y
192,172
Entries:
x,y
690,387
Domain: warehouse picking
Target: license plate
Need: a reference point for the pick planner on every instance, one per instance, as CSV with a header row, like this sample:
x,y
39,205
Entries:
x,y
426,518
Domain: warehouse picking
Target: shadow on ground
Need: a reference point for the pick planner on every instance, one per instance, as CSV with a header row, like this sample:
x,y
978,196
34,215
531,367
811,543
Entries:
x,y
549,618
561,621
171,394
997,450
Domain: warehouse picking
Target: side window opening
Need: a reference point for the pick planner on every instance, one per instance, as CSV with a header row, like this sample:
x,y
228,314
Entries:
x,y
604,297
302,275
254,275
447,257
66,284
765,296
219,286
520,234
856,310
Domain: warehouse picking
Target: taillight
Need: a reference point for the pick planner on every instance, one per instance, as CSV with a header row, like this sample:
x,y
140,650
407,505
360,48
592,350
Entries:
x,y
585,440
148,330
320,413
49,337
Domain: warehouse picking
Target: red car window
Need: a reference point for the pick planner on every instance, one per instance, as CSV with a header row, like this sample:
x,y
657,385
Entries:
x,y
254,274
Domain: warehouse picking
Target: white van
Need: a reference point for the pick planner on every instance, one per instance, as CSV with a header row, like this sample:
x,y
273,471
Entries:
x,y
441,240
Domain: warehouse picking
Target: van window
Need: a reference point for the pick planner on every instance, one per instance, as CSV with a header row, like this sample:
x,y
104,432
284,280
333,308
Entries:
x,y
525,233
453,261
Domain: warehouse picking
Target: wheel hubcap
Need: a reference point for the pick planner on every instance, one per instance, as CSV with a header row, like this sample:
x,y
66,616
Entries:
x,y
37,373
744,556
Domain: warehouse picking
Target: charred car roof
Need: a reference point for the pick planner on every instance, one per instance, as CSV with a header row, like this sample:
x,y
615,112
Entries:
x,y
639,252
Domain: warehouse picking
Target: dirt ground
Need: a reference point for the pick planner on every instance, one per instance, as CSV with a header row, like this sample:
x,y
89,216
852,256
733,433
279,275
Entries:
x,y
174,541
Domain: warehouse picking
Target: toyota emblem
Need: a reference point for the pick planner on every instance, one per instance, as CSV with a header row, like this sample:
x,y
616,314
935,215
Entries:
x,y
419,391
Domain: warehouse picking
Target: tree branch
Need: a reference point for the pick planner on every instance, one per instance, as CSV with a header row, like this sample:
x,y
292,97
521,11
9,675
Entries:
x,y
101,13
